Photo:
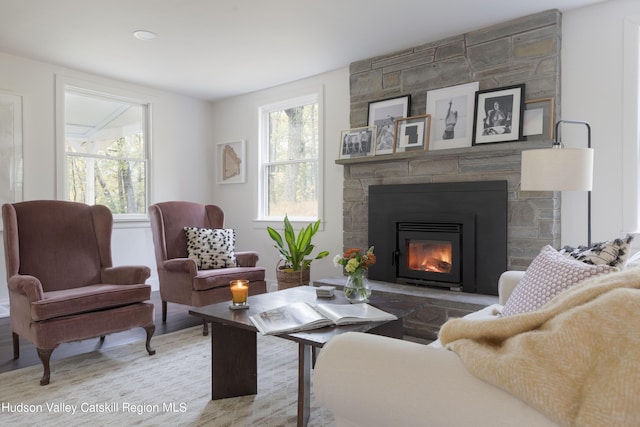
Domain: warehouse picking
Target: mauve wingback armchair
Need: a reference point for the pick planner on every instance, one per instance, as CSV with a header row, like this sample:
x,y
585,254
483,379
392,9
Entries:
x,y
63,286
180,279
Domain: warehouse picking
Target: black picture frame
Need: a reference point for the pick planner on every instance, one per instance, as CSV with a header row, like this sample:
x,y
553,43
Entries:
x,y
383,115
499,115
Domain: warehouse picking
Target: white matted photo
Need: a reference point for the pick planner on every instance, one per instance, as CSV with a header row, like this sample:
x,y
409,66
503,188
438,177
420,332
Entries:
x,y
499,115
231,162
357,142
383,114
412,134
538,119
451,110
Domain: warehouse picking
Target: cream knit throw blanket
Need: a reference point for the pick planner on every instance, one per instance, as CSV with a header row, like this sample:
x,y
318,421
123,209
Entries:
x,y
577,359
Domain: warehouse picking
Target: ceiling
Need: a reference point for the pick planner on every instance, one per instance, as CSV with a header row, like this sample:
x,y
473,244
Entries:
x,y
213,49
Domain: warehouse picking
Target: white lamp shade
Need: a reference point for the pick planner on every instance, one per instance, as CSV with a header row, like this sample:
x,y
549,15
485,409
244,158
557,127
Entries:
x,y
557,169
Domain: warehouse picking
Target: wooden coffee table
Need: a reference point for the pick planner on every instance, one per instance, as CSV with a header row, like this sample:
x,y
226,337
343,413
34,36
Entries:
x,y
234,367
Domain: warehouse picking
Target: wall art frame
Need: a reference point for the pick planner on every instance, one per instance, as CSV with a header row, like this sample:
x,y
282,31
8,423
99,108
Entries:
x,y
499,115
412,133
357,142
11,170
231,163
452,114
538,119
383,115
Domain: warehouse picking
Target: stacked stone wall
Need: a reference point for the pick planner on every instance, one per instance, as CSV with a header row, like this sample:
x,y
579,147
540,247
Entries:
x,y
525,50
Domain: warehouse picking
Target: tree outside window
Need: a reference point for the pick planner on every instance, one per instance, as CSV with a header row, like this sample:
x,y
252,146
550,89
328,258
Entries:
x,y
290,166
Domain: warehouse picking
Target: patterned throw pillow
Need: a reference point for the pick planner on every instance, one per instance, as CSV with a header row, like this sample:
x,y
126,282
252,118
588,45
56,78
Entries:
x,y
613,252
549,274
211,248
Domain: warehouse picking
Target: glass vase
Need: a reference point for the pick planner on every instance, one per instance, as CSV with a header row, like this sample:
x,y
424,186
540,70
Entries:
x,y
357,289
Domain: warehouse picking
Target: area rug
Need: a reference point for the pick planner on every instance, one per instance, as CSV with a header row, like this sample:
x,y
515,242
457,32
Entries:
x,y
124,386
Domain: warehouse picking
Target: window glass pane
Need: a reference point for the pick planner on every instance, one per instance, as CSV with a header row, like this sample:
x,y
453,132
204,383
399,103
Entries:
x,y
292,189
130,146
117,184
106,151
293,133
94,124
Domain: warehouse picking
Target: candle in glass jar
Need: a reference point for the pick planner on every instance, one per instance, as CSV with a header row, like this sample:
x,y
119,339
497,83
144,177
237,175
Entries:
x,y
239,291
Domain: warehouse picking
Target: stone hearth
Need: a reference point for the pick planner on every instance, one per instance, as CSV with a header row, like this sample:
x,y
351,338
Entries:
x,y
424,324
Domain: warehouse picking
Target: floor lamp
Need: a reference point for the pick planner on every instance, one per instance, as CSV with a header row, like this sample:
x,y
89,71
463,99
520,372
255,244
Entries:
x,y
560,169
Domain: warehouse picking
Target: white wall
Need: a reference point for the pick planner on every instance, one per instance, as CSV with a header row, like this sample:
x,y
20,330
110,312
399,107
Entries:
x,y
237,118
180,132
596,89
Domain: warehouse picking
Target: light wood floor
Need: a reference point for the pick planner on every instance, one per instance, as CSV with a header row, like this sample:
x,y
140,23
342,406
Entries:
x,y
178,318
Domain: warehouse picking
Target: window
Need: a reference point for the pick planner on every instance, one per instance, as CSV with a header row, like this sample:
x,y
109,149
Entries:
x,y
104,158
290,172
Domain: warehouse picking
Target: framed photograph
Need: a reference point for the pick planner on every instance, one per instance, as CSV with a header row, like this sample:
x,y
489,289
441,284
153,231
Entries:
x,y
538,119
499,115
231,162
357,142
451,110
11,177
412,133
383,114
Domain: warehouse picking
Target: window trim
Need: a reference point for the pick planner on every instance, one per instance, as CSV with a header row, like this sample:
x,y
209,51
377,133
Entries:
x,y
64,83
302,97
631,125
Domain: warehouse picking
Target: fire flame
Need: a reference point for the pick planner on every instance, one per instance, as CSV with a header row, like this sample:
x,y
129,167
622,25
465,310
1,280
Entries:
x,y
430,256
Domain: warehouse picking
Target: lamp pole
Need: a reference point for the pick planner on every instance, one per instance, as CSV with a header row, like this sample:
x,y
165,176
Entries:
x,y
558,144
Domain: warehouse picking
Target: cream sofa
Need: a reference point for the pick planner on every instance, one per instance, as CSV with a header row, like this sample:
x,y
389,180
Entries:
x,y
369,380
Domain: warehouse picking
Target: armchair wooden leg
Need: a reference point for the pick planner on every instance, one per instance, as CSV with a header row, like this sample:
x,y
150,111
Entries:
x,y
45,356
150,330
205,328
164,311
16,346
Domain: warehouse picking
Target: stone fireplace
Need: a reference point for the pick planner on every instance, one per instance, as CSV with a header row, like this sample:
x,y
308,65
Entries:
x,y
525,50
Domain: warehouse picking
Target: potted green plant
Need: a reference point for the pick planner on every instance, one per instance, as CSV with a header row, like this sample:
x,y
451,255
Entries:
x,y
294,252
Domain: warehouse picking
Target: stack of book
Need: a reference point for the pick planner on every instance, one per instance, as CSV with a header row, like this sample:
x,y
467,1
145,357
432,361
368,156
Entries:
x,y
325,291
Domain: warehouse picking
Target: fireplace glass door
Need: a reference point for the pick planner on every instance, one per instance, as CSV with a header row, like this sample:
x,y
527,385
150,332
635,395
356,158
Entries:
x,y
429,253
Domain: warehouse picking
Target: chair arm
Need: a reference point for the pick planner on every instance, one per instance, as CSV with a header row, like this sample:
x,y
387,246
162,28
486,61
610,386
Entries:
x,y
125,274
370,380
181,265
507,283
247,258
26,286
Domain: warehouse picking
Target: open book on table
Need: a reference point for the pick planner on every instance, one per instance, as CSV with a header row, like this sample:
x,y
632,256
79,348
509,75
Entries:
x,y
302,316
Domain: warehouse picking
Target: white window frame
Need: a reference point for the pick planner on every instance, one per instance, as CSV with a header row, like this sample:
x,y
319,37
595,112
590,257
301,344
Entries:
x,y
307,97
63,84
631,125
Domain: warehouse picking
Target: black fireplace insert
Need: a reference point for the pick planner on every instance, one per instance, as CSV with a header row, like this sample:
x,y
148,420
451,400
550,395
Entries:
x,y
450,235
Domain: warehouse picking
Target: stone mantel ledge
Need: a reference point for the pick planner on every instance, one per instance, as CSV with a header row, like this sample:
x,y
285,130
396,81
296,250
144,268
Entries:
x,y
502,148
